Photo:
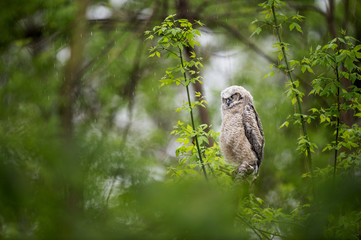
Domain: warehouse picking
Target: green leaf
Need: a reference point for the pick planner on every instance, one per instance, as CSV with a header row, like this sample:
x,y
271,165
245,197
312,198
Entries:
x,y
298,17
313,110
285,124
341,40
357,48
295,25
259,200
254,21
199,23
257,31
293,62
331,45
296,83
150,37
340,57
303,68
170,54
309,69
270,74
292,26
294,100
190,40
349,64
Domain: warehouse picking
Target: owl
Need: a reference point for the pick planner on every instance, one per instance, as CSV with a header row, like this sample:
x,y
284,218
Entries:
x,y
242,138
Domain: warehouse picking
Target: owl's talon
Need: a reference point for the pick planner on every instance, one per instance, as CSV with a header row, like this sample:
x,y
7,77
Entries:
x,y
245,170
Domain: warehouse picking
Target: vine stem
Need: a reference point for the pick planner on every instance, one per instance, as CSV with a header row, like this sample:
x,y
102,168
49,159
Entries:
x,y
294,87
191,114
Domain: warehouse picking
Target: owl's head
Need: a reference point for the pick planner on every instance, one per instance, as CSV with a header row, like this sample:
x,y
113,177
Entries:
x,y
235,95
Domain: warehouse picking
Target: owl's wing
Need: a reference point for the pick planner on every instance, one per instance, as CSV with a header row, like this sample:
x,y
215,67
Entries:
x,y
253,131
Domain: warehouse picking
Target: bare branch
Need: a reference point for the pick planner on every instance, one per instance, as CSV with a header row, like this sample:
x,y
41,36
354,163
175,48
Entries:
x,y
235,33
306,7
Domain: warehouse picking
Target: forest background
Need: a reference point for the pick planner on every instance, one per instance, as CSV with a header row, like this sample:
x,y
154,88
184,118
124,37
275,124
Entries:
x,y
88,147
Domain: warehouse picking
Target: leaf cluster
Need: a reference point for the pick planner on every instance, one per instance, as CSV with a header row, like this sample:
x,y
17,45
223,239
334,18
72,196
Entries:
x,y
293,22
340,58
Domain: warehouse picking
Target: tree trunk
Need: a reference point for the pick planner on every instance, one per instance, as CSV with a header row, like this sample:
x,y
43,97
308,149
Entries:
x,y
67,98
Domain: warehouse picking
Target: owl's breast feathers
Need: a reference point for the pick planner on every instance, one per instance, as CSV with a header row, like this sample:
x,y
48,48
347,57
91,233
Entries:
x,y
234,144
253,131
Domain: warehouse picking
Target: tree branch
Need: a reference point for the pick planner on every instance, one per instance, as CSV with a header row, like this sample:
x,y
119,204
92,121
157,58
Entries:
x,y
306,7
235,33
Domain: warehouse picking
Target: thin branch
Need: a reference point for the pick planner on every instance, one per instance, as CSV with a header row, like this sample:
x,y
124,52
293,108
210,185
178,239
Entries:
x,y
136,32
203,112
183,11
191,114
117,52
328,15
243,39
307,7
207,3
261,231
236,33
293,86
252,228
110,191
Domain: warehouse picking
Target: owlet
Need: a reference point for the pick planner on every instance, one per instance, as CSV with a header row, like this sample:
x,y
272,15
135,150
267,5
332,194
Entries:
x,y
242,139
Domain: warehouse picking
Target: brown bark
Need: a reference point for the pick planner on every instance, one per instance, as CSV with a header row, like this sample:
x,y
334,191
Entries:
x,y
73,68
67,97
330,18
346,4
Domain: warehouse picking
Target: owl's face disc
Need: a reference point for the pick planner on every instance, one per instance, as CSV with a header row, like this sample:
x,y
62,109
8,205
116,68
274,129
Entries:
x,y
235,95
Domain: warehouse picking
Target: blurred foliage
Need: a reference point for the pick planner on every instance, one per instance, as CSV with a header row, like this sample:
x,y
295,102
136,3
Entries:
x,y
108,168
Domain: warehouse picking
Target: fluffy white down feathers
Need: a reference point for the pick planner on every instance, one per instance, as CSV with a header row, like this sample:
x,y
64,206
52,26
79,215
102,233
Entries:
x,y
242,138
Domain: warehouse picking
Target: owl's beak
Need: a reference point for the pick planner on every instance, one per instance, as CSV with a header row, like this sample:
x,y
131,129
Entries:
x,y
228,101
